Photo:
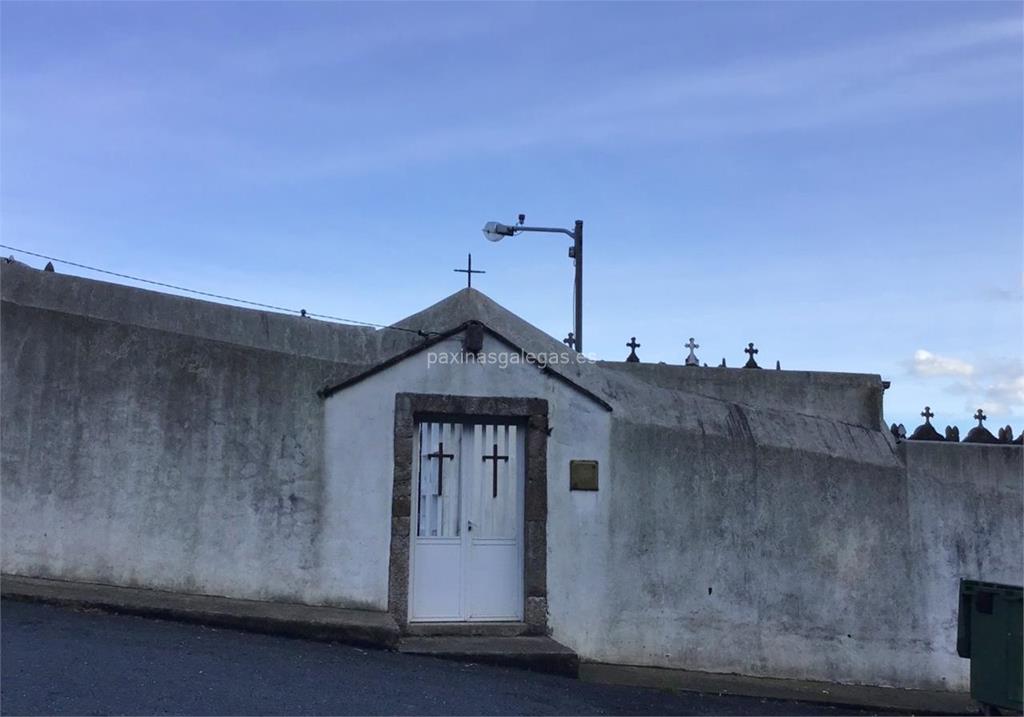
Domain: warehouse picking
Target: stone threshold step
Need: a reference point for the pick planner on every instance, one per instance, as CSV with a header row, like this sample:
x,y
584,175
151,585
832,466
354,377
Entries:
x,y
539,654
466,629
330,624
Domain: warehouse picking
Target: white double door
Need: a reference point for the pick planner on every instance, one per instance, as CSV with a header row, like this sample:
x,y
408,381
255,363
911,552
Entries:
x,y
467,523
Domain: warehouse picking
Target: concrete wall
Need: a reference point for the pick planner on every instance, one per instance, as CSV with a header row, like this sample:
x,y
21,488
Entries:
x,y
967,521
853,398
751,522
724,538
135,453
738,554
75,295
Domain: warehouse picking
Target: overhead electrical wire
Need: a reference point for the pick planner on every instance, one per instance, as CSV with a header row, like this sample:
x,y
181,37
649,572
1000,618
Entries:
x,y
223,297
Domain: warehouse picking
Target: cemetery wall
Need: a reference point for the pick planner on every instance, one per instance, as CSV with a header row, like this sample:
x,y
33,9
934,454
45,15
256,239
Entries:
x,y
761,523
737,554
161,442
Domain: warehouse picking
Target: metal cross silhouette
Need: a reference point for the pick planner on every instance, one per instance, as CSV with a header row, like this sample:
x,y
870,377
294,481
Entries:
x,y
441,455
495,457
469,271
569,340
927,413
980,416
632,344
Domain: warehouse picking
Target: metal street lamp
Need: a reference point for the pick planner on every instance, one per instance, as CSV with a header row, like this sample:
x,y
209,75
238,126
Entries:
x,y
496,231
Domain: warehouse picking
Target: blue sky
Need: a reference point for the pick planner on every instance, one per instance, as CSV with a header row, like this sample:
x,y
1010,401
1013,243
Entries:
x,y
840,183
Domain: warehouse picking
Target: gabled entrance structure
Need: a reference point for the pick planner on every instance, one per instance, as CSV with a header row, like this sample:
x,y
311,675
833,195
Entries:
x,y
469,495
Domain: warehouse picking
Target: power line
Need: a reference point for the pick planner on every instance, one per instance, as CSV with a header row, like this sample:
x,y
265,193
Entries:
x,y
301,312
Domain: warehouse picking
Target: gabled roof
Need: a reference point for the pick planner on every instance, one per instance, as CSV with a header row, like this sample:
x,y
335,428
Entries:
x,y
471,305
436,338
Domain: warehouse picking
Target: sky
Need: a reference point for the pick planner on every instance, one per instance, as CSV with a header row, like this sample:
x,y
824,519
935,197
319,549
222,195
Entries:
x,y
839,182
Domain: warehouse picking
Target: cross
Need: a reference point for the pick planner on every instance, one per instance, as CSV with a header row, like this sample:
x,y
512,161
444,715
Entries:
x,y
692,360
751,363
469,271
633,345
569,340
440,454
928,415
980,416
495,457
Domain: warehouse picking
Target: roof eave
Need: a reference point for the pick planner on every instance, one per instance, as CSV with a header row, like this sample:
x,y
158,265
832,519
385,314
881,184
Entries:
x,y
545,368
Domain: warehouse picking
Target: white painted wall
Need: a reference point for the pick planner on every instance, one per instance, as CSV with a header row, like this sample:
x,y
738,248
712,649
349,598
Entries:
x,y
359,464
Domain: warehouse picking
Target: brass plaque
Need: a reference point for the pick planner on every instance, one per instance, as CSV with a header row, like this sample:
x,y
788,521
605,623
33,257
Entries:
x,y
582,475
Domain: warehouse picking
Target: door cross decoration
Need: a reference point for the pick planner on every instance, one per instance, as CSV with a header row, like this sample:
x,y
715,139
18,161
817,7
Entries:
x,y
440,455
495,457
466,537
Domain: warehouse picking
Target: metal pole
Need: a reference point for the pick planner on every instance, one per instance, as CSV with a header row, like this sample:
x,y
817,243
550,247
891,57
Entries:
x,y
576,252
578,257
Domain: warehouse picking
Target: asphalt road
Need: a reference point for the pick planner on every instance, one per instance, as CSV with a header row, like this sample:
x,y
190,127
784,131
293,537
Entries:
x,y
62,661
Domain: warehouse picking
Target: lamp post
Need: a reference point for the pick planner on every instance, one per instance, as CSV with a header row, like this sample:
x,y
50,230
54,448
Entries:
x,y
495,231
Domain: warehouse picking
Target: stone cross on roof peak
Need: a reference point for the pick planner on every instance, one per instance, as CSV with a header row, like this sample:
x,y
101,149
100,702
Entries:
x,y
980,416
927,413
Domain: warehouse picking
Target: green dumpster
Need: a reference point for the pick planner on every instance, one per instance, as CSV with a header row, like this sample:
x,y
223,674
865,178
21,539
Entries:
x,y
989,634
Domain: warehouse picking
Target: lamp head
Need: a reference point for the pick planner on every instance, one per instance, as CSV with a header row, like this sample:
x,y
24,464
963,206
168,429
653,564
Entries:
x,y
495,231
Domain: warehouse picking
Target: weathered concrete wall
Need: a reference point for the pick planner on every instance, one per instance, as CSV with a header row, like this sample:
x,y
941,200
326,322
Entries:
x,y
751,522
68,294
733,553
966,517
134,453
847,397
726,538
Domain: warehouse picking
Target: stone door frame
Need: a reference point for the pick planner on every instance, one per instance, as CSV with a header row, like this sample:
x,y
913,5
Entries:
x,y
533,414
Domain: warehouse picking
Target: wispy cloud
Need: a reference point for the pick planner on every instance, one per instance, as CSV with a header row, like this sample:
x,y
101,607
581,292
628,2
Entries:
x,y
1003,293
997,387
994,385
925,363
879,80
1006,392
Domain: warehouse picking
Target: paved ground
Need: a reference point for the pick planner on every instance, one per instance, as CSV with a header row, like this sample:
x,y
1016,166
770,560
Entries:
x,y
62,661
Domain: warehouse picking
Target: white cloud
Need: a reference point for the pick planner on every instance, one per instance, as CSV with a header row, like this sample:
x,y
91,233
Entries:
x,y
1007,391
989,408
926,363
996,386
